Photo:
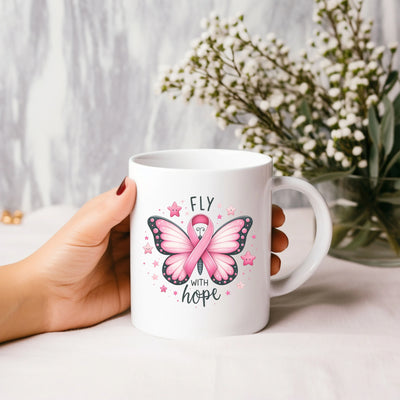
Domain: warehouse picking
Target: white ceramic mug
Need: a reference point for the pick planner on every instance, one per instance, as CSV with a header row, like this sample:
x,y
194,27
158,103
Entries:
x,y
200,242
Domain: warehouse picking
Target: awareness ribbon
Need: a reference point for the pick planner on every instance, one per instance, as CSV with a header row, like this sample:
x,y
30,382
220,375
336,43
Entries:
x,y
200,246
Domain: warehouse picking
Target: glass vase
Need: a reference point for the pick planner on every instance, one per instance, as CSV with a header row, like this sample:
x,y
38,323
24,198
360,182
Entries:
x,y
366,219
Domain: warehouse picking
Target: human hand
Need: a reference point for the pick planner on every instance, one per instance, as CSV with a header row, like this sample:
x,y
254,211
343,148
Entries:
x,y
87,262
81,277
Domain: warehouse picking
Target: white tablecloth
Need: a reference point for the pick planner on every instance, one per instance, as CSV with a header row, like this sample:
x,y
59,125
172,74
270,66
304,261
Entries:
x,y
337,337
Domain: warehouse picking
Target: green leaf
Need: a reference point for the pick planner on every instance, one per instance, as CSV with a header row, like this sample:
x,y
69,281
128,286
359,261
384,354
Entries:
x,y
391,163
331,176
373,130
387,127
361,237
396,107
305,110
373,126
390,81
338,235
373,162
391,198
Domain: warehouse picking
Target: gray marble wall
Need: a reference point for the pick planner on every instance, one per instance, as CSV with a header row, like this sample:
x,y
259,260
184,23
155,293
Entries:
x,y
77,82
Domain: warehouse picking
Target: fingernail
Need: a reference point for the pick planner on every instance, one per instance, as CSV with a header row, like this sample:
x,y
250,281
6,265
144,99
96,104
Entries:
x,y
121,188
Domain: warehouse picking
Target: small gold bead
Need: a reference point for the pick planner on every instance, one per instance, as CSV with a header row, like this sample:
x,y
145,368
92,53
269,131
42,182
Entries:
x,y
6,219
16,220
5,213
18,214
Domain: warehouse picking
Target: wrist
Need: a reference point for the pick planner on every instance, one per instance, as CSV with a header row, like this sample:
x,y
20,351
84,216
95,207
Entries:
x,y
23,301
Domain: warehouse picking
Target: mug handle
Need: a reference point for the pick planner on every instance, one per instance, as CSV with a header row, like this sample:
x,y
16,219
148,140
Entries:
x,y
322,239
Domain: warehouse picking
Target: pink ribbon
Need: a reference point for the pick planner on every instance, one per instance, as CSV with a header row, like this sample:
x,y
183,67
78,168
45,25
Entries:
x,y
200,246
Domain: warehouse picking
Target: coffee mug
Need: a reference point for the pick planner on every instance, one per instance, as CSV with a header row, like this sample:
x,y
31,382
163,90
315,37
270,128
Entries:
x,y
200,242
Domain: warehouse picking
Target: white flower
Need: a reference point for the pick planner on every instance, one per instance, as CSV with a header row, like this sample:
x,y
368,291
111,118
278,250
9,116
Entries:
x,y
330,148
331,121
370,45
222,123
378,51
302,53
372,66
351,118
202,50
228,42
238,132
362,164
339,156
231,109
308,129
353,66
297,174
298,160
393,46
358,135
373,99
357,151
253,121
325,63
186,90
334,92
348,44
204,23
303,88
298,121
264,105
271,37
336,133
310,145
334,78
343,123
250,67
346,163
276,99
332,4
337,105
346,132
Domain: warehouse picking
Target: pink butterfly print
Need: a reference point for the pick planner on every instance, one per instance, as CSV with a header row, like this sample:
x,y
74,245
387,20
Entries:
x,y
212,250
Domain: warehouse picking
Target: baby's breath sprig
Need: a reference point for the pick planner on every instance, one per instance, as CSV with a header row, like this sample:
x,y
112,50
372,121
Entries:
x,y
312,113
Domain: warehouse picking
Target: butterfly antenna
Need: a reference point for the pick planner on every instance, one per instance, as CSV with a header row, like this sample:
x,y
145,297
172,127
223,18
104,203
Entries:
x,y
200,264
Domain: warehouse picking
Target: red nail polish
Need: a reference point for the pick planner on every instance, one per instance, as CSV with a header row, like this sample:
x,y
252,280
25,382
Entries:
x,y
121,188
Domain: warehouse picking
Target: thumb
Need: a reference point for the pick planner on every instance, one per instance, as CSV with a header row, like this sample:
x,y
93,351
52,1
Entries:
x,y
93,222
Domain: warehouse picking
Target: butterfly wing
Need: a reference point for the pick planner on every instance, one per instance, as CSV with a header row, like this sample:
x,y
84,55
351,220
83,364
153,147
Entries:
x,y
171,240
228,240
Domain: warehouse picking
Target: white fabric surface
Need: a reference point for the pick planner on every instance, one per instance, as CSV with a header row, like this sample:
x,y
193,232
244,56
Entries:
x,y
336,337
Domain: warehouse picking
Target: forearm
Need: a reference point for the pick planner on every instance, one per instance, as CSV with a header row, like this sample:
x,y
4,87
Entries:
x,y
23,302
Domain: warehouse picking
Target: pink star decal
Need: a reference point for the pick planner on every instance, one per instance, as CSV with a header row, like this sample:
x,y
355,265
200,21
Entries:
x,y
155,277
219,216
228,292
163,288
175,293
174,209
230,210
147,248
248,258
253,237
240,285
146,238
155,263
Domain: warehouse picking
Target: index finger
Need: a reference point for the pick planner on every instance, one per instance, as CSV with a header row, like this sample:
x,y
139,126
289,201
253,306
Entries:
x,y
278,216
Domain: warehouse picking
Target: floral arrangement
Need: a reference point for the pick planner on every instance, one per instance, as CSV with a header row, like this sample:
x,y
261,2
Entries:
x,y
323,114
